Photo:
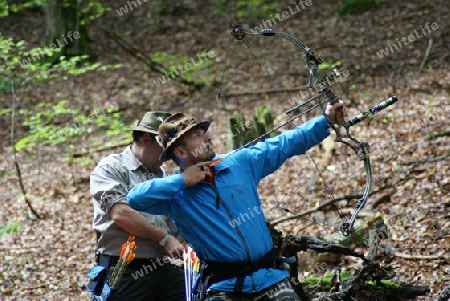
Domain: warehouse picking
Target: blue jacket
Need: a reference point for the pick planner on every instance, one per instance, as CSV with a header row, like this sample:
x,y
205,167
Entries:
x,y
225,222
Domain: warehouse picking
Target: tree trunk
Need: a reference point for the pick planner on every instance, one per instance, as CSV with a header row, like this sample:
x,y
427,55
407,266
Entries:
x,y
63,29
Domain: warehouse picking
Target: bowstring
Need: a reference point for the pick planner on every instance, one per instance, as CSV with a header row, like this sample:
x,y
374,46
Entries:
x,y
220,86
325,183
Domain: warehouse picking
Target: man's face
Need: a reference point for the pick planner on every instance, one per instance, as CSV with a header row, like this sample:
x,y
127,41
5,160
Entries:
x,y
152,151
198,145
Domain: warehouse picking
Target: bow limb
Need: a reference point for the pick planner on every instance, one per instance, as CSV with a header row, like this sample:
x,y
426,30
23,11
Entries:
x,y
311,58
361,150
239,33
347,227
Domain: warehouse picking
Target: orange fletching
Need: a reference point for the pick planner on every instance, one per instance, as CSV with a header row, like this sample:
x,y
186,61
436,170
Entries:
x,y
216,162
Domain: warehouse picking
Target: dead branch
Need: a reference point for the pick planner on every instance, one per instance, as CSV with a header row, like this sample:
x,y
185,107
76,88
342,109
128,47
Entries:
x,y
421,257
262,91
293,244
427,53
368,282
437,135
332,203
16,162
439,158
141,56
9,291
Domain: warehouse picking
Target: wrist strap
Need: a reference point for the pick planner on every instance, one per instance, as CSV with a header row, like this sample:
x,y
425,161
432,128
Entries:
x,y
163,241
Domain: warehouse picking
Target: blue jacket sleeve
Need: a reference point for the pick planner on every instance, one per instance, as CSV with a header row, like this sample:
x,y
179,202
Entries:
x,y
154,196
266,157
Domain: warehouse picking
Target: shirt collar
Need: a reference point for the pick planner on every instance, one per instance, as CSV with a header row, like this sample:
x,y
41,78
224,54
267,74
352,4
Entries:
x,y
131,162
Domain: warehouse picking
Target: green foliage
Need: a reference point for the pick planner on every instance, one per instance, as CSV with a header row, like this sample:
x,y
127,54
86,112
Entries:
x,y
41,127
10,228
44,127
93,9
5,85
162,6
259,8
6,8
20,66
46,122
356,7
194,69
330,66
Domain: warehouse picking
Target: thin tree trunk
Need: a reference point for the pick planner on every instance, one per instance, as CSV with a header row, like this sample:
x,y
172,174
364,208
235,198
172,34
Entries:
x,y
63,29
16,162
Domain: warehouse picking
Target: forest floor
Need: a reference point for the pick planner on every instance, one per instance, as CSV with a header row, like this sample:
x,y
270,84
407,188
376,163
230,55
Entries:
x,y
48,258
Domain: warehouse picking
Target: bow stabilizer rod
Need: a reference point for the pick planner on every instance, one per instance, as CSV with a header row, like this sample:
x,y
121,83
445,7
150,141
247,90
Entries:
x,y
375,109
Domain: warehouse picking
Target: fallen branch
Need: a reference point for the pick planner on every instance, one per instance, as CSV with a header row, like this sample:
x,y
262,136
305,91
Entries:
x,y
370,282
141,56
332,202
427,53
11,290
293,244
421,257
442,157
257,92
437,135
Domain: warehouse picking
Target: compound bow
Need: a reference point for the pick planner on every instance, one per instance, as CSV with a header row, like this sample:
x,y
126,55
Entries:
x,y
313,61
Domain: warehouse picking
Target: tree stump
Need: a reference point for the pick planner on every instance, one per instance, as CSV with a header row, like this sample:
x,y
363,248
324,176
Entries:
x,y
240,132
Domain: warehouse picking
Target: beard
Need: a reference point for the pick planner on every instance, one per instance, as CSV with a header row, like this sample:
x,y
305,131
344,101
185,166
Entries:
x,y
203,154
210,154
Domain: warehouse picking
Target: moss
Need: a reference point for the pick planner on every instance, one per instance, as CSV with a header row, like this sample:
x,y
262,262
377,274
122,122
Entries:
x,y
310,282
327,278
324,283
385,284
345,275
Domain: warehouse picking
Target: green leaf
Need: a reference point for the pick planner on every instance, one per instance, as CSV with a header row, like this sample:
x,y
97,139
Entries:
x,y
10,228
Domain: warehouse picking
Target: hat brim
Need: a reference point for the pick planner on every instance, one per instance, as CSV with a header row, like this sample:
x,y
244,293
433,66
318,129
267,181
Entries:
x,y
203,124
146,130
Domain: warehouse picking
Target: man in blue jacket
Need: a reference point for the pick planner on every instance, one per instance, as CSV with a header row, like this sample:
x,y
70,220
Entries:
x,y
217,209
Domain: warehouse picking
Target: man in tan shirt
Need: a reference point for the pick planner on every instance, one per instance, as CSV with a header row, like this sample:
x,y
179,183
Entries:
x,y
150,276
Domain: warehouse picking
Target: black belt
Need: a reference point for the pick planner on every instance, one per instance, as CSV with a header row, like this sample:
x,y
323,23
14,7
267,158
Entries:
x,y
243,268
218,271
138,263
